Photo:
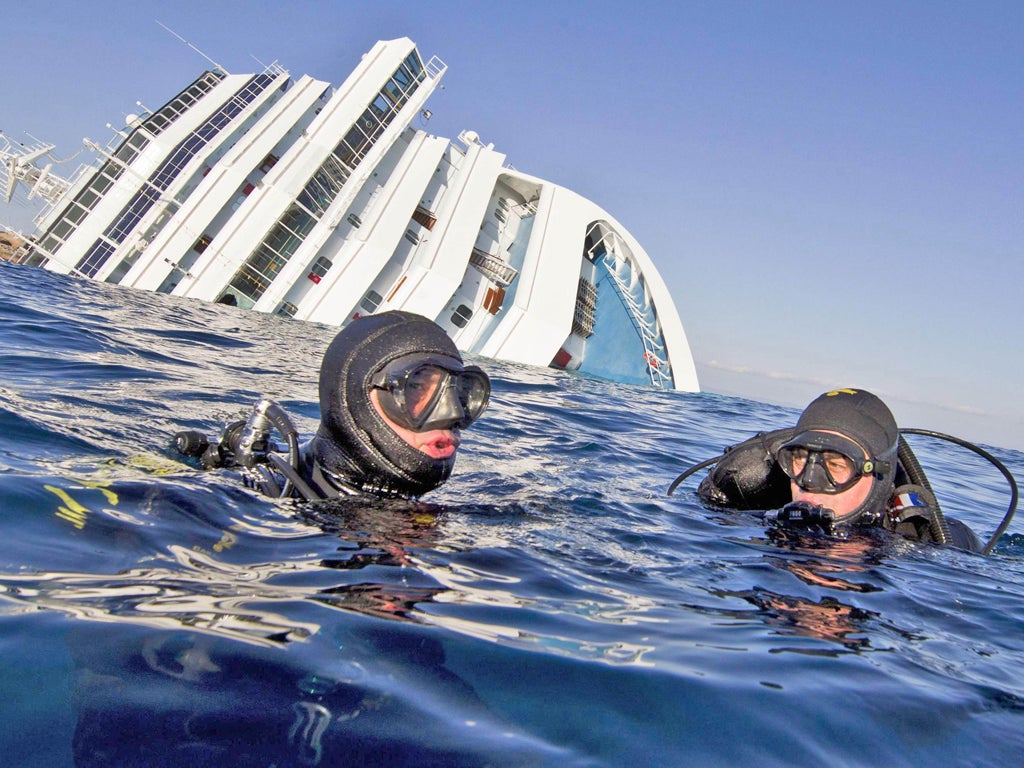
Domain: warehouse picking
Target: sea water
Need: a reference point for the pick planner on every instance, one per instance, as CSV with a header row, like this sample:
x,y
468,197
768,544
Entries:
x,y
549,606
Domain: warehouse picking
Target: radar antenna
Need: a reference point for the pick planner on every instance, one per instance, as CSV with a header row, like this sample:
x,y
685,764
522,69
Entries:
x,y
186,42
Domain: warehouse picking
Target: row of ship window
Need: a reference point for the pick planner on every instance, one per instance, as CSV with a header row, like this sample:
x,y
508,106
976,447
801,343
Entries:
x,y
111,170
265,263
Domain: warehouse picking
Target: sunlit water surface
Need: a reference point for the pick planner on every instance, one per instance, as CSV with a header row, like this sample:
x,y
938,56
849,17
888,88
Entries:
x,y
550,606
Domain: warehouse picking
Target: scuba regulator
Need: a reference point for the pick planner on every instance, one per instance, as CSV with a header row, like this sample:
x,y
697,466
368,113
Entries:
x,y
803,515
249,444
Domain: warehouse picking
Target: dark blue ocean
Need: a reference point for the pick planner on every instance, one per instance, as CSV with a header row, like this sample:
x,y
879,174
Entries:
x,y
549,606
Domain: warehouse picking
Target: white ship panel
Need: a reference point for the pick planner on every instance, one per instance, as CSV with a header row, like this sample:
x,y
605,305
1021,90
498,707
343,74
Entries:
x,y
439,268
289,176
233,244
549,275
261,210
113,202
210,151
375,243
221,185
371,167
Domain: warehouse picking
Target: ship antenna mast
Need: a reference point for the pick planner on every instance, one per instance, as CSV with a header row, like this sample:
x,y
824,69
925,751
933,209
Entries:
x,y
186,42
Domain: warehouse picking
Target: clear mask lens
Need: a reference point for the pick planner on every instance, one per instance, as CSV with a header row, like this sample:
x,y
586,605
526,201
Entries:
x,y
426,396
818,471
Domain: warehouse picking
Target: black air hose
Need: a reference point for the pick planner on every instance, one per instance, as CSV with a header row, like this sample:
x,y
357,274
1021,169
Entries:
x,y
995,463
937,524
278,417
691,470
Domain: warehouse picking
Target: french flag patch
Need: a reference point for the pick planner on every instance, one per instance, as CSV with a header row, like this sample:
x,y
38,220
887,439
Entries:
x,y
902,501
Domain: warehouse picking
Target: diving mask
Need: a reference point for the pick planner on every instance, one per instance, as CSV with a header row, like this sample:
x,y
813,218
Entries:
x,y
824,462
427,392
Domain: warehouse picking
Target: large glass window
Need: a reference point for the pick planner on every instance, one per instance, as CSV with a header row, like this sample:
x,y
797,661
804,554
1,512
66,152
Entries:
x,y
371,301
461,316
394,92
369,123
167,114
403,79
90,264
74,216
88,198
380,107
412,61
352,147
61,229
287,309
202,243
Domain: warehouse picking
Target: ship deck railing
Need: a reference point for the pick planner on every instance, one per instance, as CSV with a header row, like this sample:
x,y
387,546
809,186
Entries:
x,y
657,366
492,267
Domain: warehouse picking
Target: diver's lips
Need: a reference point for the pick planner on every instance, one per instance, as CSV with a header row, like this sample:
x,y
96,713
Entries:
x,y
441,448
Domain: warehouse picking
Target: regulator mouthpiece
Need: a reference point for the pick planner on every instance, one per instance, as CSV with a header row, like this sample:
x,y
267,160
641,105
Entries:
x,y
803,515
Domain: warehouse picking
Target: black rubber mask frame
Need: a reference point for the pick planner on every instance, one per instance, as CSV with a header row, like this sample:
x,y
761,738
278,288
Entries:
x,y
817,454
423,393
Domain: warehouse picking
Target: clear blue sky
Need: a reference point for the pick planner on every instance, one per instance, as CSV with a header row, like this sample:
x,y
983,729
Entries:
x,y
833,192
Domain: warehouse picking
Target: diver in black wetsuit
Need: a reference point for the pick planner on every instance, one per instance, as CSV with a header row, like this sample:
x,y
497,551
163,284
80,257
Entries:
x,y
394,395
843,465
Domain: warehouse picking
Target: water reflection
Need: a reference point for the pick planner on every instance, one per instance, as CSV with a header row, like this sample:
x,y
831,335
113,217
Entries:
x,y
175,674
832,567
204,600
823,561
265,574
196,587
828,619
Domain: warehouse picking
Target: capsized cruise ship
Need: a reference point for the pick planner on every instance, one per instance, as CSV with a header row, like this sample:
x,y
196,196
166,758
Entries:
x,y
324,203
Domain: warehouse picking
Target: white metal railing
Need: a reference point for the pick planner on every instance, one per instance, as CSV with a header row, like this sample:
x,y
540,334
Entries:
x,y
435,67
658,369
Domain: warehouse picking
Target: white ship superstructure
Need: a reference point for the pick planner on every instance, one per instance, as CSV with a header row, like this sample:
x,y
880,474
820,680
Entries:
x,y
289,196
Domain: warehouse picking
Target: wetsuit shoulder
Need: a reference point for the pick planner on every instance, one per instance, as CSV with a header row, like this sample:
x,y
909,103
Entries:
x,y
962,537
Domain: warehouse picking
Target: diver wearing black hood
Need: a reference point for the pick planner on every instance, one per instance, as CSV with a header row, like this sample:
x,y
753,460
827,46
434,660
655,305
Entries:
x,y
394,395
389,357
843,465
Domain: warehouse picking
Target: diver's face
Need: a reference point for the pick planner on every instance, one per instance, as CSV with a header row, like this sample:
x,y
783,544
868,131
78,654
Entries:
x,y
435,443
841,503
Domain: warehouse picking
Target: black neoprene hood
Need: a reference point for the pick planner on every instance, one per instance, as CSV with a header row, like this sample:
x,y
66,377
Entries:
x,y
865,419
354,444
855,413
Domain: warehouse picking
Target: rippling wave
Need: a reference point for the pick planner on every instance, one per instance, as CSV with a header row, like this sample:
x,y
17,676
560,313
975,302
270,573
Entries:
x,y
549,606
